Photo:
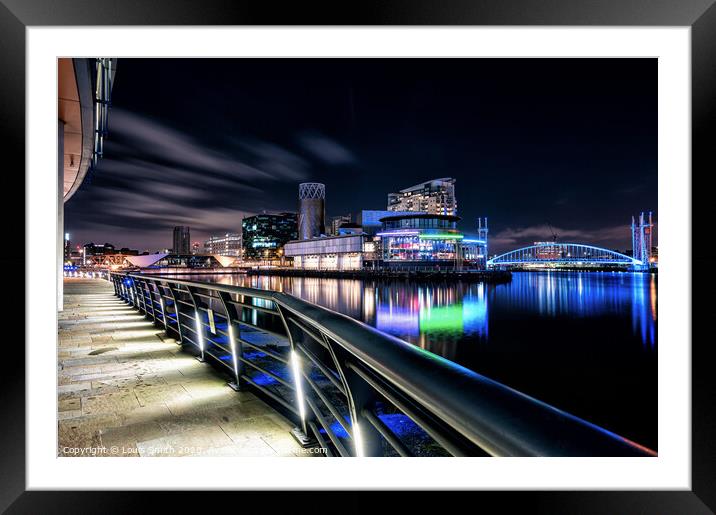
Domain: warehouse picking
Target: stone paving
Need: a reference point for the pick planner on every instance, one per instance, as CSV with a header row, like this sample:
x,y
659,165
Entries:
x,y
126,389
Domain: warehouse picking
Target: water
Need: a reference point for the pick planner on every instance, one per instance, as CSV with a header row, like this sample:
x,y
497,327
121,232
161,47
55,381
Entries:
x,y
584,342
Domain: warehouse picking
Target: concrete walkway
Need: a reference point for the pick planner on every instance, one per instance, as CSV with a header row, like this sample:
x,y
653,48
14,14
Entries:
x,y
125,389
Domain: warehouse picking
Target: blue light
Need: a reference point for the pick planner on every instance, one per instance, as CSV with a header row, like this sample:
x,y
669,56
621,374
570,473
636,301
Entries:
x,y
263,380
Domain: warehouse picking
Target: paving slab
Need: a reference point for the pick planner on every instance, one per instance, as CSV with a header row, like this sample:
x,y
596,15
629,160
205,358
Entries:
x,y
126,389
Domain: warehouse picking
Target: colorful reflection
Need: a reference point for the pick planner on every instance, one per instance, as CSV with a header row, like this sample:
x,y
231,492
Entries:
x,y
552,335
435,315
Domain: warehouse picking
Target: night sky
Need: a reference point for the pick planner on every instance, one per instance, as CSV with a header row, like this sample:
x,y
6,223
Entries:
x,y
201,142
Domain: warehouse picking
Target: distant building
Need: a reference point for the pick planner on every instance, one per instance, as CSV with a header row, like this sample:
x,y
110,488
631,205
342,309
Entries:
x,y
421,241
181,240
435,197
68,248
349,228
312,210
337,221
328,253
92,249
548,250
104,255
171,260
369,219
228,244
195,247
265,235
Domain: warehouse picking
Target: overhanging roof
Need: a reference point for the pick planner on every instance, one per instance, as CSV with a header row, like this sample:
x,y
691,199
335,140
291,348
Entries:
x,y
146,260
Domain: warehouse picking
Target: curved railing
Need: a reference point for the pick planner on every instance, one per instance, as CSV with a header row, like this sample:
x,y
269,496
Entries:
x,y
354,390
563,253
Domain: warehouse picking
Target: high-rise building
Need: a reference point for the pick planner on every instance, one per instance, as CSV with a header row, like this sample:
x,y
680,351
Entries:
x,y
641,237
435,197
265,235
312,210
92,249
228,244
68,247
181,241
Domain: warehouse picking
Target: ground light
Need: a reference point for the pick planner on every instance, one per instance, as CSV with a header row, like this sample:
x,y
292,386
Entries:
x,y
234,386
358,440
199,337
296,368
164,315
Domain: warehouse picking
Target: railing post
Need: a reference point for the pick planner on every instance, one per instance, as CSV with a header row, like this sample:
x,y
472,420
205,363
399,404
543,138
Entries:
x,y
146,287
361,397
162,307
133,293
177,311
299,433
234,330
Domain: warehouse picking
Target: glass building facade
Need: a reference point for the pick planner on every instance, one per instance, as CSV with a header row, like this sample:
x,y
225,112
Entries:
x,y
436,197
370,219
181,240
228,244
420,239
265,235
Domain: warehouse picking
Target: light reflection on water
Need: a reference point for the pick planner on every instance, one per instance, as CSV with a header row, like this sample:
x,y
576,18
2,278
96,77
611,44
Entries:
x,y
585,342
438,316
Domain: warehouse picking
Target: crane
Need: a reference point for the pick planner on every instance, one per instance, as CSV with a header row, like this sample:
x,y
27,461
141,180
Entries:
x,y
554,234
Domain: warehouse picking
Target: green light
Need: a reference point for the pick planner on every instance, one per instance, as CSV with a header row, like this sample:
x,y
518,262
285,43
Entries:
x,y
441,236
442,318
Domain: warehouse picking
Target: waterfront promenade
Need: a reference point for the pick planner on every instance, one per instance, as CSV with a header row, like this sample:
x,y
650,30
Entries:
x,y
126,389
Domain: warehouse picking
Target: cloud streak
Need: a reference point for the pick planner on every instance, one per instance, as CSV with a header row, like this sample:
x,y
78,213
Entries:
x,y
155,177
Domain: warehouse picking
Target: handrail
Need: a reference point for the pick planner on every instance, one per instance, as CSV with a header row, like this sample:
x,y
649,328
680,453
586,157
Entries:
x,y
465,412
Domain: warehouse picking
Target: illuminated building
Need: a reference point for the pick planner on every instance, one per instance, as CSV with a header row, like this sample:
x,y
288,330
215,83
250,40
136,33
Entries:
x,y
641,238
92,249
344,252
548,250
181,240
435,197
424,240
68,247
228,244
265,235
369,219
337,221
171,260
105,255
474,252
349,228
312,210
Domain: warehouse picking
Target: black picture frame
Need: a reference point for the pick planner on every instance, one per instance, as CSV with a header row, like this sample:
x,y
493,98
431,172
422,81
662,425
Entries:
x,y
700,15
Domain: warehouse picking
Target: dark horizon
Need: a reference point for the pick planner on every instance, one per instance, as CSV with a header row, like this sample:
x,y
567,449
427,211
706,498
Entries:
x,y
200,142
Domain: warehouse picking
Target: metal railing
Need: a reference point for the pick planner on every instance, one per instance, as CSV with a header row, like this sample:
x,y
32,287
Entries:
x,y
352,389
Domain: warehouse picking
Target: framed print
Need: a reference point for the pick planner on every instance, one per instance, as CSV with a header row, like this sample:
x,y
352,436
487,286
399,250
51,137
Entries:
x,y
421,245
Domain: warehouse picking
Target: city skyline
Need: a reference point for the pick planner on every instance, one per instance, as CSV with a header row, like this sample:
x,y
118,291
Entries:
x,y
366,128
